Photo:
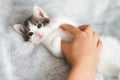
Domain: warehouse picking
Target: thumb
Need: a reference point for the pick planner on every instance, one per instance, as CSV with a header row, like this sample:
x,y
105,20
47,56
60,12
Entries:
x,y
64,47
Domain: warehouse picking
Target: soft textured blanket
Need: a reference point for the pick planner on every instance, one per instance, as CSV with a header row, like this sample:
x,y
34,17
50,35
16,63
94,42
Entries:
x,y
21,60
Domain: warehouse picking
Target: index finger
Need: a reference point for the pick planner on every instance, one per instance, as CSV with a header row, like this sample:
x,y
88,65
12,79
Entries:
x,y
73,30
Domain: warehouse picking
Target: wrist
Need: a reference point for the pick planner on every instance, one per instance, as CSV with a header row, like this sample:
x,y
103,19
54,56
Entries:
x,y
81,72
88,64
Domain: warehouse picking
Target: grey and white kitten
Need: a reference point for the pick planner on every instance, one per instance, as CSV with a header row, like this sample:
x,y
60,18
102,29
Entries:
x,y
40,29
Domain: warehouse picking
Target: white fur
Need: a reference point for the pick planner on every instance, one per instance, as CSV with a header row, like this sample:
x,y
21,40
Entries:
x,y
110,57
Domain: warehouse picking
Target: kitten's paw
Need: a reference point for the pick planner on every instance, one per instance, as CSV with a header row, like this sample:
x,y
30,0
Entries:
x,y
56,47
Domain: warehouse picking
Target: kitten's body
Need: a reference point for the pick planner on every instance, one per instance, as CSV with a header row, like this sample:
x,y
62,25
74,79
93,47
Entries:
x,y
50,35
56,34
110,57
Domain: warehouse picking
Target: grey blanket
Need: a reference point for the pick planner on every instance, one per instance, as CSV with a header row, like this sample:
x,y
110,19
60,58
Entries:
x,y
21,60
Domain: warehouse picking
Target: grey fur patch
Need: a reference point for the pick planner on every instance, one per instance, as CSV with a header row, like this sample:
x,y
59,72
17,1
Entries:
x,y
34,21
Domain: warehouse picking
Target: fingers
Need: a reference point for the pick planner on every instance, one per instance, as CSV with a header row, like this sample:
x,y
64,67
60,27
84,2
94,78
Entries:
x,y
82,27
64,46
71,29
87,29
99,44
95,37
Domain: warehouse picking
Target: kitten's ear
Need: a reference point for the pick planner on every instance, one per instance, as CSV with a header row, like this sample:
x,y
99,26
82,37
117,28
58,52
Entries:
x,y
38,12
19,28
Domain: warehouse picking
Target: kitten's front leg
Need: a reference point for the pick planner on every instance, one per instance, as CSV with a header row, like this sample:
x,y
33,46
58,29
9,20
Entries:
x,y
56,47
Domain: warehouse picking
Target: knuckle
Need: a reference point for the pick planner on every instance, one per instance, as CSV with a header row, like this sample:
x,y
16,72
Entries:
x,y
80,34
95,34
89,27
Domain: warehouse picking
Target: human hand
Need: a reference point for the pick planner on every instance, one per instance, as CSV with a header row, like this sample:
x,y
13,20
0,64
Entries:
x,y
85,47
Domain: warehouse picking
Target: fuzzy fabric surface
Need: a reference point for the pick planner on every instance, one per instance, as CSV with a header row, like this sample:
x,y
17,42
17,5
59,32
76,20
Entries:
x,y
21,60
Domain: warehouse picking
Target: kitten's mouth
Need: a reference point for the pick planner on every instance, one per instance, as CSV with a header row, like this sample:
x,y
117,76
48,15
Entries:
x,y
38,35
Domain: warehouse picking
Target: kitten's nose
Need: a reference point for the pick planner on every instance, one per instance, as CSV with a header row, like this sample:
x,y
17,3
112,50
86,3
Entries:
x,y
38,34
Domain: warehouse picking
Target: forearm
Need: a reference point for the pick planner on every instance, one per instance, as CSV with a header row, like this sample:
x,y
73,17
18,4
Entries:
x,y
81,73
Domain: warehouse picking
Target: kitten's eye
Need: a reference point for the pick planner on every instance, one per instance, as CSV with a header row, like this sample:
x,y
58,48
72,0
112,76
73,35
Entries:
x,y
46,21
35,24
39,26
30,33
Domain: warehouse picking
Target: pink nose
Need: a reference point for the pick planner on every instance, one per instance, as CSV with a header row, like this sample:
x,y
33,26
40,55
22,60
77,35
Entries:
x,y
38,34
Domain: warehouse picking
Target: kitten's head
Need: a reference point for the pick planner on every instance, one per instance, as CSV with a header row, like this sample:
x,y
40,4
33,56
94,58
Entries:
x,y
34,28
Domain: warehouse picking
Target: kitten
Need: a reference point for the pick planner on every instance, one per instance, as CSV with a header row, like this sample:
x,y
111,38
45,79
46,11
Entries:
x,y
39,29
